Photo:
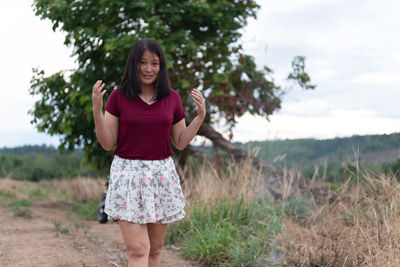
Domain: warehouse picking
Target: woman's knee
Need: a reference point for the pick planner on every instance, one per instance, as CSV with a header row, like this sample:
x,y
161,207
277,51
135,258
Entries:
x,y
155,248
138,249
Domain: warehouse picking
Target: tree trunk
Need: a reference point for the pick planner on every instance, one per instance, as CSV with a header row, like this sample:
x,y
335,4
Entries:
x,y
273,175
238,153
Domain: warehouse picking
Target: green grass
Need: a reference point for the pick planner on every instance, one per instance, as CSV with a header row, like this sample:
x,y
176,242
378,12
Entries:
x,y
17,204
6,196
228,234
299,209
43,190
60,229
87,210
25,213
50,188
35,193
21,212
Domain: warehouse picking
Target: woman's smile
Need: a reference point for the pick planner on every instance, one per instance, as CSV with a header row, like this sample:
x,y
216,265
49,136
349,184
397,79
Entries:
x,y
149,68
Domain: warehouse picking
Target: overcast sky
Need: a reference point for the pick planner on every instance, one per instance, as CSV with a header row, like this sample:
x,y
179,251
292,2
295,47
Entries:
x,y
352,51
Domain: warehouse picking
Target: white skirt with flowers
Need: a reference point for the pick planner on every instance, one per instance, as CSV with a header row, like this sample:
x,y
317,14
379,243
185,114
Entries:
x,y
144,191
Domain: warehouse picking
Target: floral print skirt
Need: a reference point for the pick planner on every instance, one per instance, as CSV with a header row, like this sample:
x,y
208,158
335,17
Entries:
x,y
144,191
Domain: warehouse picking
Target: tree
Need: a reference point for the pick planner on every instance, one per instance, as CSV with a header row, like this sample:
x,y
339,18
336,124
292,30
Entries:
x,y
200,39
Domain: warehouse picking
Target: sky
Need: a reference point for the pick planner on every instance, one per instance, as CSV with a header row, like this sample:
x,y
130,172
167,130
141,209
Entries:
x,y
352,54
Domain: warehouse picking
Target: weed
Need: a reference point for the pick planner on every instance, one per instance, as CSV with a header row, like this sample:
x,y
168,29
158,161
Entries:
x,y
360,228
87,210
25,213
92,237
35,193
21,212
231,233
80,223
6,195
334,188
176,232
210,243
16,204
60,229
298,208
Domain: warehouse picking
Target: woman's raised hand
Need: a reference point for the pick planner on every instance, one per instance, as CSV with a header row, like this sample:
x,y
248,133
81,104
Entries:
x,y
97,95
200,102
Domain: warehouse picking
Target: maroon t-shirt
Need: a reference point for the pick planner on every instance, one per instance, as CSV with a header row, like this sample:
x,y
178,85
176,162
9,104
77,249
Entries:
x,y
144,130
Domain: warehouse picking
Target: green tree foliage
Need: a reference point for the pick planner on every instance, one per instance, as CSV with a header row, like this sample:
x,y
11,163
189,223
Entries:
x,y
335,158
309,151
35,163
200,39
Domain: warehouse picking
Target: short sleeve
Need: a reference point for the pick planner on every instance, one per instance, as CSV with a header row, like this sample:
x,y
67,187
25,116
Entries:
x,y
112,103
179,113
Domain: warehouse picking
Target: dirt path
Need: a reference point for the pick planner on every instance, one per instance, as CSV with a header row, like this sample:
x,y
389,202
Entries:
x,y
43,240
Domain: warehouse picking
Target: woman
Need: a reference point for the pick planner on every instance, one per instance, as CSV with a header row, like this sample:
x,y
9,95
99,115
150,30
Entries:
x,y
141,117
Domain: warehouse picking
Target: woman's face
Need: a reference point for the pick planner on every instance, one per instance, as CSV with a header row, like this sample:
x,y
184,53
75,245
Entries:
x,y
149,67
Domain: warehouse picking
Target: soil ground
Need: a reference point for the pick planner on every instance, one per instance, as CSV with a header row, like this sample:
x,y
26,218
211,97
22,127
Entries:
x,y
54,236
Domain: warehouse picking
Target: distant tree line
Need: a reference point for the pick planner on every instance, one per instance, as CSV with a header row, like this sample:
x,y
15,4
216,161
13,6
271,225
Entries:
x,y
37,162
336,158
303,152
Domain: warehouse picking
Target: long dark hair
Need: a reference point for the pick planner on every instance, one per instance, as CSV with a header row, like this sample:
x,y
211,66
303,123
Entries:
x,y
130,85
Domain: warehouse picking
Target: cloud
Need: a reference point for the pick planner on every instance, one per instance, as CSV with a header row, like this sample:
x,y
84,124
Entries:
x,y
26,137
376,78
351,49
27,42
338,123
351,55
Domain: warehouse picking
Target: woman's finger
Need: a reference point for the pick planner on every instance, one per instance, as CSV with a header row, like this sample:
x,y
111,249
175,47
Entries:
x,y
100,87
97,86
196,91
198,96
196,100
199,103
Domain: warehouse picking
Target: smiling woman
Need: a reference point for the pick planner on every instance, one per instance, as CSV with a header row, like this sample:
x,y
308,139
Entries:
x,y
145,71
148,72
142,117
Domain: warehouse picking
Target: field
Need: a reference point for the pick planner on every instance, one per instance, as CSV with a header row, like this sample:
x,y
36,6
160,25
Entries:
x,y
51,224
233,220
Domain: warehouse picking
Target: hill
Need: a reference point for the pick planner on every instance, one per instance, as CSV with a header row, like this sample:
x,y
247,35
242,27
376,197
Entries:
x,y
33,150
373,149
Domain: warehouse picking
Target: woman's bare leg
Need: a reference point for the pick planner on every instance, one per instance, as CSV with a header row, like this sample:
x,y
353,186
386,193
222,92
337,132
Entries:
x,y
137,243
156,236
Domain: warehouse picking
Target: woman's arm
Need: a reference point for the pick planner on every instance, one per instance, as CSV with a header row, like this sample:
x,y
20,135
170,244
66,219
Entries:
x,y
182,135
106,125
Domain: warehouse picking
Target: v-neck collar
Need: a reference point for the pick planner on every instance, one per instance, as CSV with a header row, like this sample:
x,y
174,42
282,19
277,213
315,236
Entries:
x,y
148,105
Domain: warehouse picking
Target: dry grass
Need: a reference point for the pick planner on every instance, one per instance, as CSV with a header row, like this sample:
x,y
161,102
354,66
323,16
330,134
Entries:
x,y
77,189
360,228
208,183
82,188
12,187
358,225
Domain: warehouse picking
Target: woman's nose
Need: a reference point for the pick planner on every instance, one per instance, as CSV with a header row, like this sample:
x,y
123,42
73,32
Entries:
x,y
147,67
